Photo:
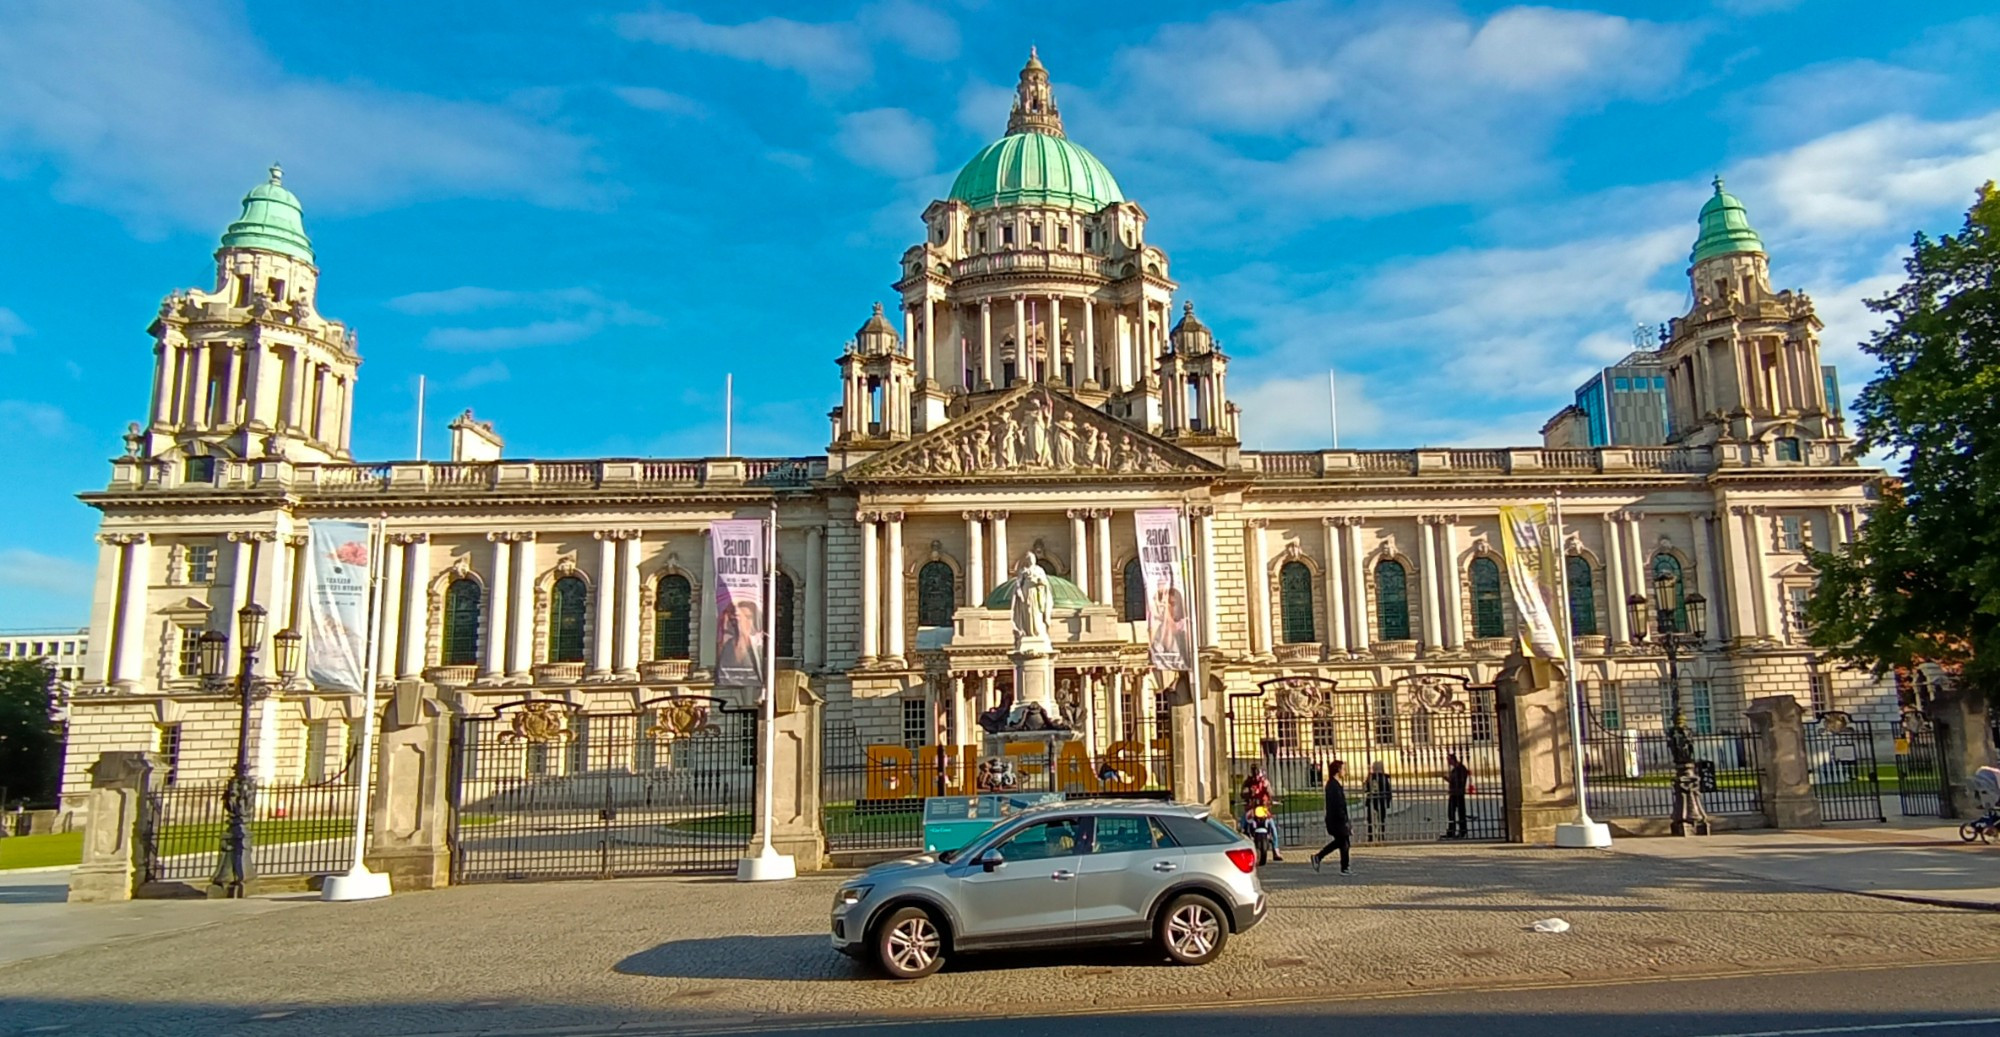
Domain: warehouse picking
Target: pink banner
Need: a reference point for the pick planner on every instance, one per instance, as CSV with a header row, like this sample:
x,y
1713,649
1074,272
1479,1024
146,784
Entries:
x,y
1167,621
739,602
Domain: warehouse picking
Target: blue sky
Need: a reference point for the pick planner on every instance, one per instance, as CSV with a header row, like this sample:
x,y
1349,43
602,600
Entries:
x,y
577,219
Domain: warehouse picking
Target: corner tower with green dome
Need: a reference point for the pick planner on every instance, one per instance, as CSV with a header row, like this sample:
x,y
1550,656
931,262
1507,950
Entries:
x,y
251,370
1033,269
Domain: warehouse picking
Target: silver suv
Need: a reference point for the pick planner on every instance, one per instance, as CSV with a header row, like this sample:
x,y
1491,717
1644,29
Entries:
x,y
1102,871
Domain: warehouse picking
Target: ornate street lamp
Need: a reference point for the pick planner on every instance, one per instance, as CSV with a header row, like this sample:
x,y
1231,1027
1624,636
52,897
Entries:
x,y
285,649
1676,625
232,872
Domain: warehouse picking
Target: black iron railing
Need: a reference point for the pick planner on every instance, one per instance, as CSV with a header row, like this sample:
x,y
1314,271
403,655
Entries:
x,y
1631,773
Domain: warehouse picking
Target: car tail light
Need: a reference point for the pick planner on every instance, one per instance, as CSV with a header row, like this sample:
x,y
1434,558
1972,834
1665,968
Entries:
x,y
1245,860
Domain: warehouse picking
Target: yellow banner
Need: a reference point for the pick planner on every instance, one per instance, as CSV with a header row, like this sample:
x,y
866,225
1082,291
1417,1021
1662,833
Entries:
x,y
1533,570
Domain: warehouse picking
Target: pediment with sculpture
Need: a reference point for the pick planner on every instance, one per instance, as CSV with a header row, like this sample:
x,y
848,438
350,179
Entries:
x,y
1033,430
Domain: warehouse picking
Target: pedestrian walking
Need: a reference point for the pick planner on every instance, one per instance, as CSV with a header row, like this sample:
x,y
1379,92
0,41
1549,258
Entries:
x,y
1337,824
1376,795
1458,779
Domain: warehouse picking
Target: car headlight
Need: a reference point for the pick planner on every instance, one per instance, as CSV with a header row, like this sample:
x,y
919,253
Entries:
x,y
850,895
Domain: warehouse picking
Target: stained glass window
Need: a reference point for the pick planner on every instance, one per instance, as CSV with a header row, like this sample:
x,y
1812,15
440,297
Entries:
x,y
1392,600
1582,597
936,590
783,618
1489,619
671,616
1135,592
566,607
461,623
1295,597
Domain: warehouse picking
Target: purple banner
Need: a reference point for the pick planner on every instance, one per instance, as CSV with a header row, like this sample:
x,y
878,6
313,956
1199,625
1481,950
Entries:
x,y
1167,620
739,602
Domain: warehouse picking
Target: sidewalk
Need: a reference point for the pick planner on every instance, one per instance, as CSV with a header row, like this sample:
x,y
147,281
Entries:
x,y
1920,862
39,922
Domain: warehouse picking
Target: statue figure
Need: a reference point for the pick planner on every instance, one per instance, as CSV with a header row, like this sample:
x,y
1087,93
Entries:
x,y
1033,601
1037,433
1065,443
1010,441
1093,447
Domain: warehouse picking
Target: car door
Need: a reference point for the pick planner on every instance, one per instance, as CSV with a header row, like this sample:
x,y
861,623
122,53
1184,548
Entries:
x,y
1030,893
1131,859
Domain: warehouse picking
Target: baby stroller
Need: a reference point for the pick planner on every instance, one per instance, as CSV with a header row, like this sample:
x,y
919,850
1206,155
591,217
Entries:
x,y
1262,829
1986,786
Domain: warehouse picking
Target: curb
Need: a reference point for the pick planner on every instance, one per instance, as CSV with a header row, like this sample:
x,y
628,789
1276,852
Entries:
x,y
4,872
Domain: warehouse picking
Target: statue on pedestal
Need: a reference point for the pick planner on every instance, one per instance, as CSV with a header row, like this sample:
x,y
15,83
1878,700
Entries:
x,y
1032,603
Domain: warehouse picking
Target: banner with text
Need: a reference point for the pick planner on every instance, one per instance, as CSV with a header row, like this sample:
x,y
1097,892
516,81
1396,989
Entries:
x,y
739,602
339,560
1528,541
1169,632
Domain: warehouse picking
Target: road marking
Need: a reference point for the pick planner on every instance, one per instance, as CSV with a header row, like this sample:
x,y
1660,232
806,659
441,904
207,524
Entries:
x,y
1923,1024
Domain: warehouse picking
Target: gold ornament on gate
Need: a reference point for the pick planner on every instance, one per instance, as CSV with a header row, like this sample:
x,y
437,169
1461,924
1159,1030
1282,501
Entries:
x,y
539,722
680,720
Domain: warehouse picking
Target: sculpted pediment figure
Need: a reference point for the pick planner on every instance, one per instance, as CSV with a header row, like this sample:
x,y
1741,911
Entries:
x,y
1032,431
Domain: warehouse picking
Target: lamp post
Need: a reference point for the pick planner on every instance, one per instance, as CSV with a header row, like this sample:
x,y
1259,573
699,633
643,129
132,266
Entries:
x,y
233,871
1672,634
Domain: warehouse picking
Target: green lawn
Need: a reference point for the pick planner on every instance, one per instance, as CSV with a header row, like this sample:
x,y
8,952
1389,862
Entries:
x,y
41,851
841,819
197,838
716,824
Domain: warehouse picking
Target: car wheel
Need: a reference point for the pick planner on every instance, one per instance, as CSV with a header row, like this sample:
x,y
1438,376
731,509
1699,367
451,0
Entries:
x,y
909,944
1192,929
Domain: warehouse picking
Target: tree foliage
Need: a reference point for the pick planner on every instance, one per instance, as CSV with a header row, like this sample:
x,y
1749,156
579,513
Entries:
x,y
30,742
1921,582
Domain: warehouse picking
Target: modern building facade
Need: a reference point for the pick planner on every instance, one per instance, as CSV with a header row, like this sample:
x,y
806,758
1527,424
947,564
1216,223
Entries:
x,y
1032,383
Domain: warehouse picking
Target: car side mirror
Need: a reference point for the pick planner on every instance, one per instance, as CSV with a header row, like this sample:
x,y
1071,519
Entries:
x,y
989,859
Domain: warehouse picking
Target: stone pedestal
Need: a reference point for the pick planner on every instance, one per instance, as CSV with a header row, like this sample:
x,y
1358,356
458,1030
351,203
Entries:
x,y
1535,750
119,783
1964,744
1785,777
410,816
795,793
1035,677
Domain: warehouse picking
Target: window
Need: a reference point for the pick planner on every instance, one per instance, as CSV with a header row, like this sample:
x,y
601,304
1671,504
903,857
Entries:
x,y
1035,234
1062,236
1820,689
1042,841
1295,599
1621,385
1792,532
1795,611
1788,449
313,770
1489,618
1007,235
1482,716
169,748
199,469
936,589
670,617
1325,733
1385,718
1420,727
784,648
916,723
69,648
201,563
1672,592
1582,597
189,657
1392,601
566,608
1704,708
982,240
277,288
1288,731
1610,708
1135,592
1128,835
461,623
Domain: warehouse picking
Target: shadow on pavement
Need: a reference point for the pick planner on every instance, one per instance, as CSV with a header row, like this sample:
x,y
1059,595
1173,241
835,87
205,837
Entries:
x,y
811,958
41,893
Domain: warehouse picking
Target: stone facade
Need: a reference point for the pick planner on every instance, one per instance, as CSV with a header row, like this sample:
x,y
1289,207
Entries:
x,y
1033,397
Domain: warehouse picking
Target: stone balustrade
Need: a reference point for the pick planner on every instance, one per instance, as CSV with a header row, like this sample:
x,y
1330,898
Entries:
x,y
1335,464
476,477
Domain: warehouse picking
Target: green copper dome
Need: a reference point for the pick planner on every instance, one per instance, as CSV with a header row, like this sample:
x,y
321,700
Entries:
x,y
1035,169
1064,595
271,220
1725,228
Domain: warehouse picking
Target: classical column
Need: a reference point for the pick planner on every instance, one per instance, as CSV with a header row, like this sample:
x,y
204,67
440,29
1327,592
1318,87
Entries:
x,y
815,596
1260,587
1204,521
1079,550
989,692
629,601
1614,579
296,577
602,597
239,596
389,622
1003,565
986,343
1114,713
1335,589
497,600
1054,336
1089,357
1427,557
128,648
522,659
1086,720
197,387
871,574
957,730
1102,516
1360,582
322,403
1704,573
704,652
897,582
927,359
108,590
1023,353
163,359
975,559
416,617
1754,525
1635,555
1454,611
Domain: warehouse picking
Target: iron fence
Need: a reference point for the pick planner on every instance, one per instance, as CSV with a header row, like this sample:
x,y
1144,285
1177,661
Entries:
x,y
1919,774
294,830
1840,752
1631,773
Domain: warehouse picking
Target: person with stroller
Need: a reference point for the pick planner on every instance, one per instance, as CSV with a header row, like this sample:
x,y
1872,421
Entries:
x,y
1986,789
1259,821
1376,795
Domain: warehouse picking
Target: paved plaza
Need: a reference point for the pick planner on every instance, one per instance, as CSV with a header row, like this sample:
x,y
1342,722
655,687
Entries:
x,y
710,953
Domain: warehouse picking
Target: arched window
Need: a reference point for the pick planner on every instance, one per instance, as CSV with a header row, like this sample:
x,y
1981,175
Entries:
x,y
936,589
1295,600
1489,618
1582,597
1672,592
461,623
566,608
1135,592
783,617
1392,600
671,617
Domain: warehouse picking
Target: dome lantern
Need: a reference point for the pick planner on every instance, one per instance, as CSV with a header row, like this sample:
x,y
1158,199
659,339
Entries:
x,y
1725,228
272,220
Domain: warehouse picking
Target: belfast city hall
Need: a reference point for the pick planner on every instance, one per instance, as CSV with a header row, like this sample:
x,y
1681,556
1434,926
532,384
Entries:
x,y
547,636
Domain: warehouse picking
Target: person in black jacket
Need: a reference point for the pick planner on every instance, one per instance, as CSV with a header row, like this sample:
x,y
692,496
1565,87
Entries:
x,y
1337,824
1457,781
1376,794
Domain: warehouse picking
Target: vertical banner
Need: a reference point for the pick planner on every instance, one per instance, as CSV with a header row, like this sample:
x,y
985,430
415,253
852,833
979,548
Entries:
x,y
1526,538
739,602
338,563
1167,615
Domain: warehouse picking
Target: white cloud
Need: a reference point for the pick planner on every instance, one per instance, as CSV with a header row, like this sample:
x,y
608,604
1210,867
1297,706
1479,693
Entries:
x,y
828,54
888,140
11,328
983,106
113,92
520,319
654,99
922,32
31,418
1295,411
1878,175
490,373
31,573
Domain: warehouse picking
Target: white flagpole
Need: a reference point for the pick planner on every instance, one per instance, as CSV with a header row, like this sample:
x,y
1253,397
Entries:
x,y
768,864
1195,684
1333,407
359,883
728,411
420,417
1585,833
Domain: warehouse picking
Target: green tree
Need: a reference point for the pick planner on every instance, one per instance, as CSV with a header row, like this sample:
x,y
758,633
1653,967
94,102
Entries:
x,y
30,742
1921,582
